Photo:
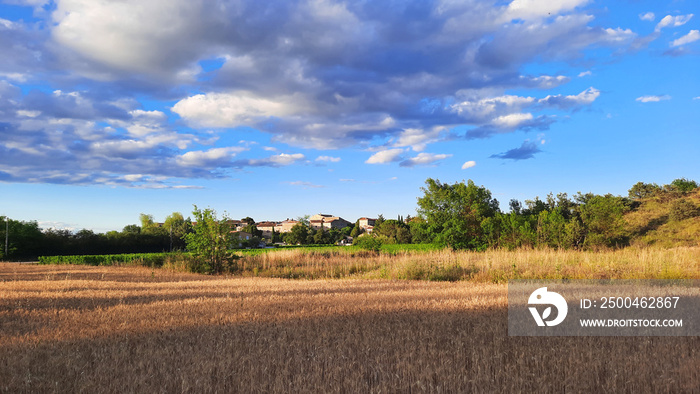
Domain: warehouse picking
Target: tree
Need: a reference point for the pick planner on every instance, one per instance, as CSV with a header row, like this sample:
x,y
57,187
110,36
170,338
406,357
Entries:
x,y
298,234
368,242
682,209
643,190
356,230
395,231
211,240
684,185
603,219
453,213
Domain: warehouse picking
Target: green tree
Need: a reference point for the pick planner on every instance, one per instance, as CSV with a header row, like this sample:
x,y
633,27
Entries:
x,y
298,234
176,228
395,231
684,185
356,230
603,219
453,213
368,242
643,190
211,240
682,209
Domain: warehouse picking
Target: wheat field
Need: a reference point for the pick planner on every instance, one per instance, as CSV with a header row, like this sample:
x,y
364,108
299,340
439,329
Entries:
x,y
132,329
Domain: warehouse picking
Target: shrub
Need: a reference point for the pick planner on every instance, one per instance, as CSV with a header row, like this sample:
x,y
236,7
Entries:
x,y
683,209
368,242
684,185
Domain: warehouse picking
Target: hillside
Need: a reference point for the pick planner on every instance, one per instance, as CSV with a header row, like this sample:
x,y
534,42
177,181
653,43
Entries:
x,y
653,222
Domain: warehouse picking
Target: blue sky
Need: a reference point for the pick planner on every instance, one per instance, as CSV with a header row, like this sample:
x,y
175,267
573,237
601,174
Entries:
x,y
279,109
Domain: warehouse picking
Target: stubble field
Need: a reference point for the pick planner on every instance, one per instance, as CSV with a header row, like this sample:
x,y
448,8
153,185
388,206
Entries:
x,y
133,329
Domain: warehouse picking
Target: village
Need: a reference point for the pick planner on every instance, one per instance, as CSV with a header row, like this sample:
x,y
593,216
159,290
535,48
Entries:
x,y
274,231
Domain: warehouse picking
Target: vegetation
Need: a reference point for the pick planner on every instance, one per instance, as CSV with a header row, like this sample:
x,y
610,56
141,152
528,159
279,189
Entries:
x,y
140,259
457,216
211,241
425,262
100,329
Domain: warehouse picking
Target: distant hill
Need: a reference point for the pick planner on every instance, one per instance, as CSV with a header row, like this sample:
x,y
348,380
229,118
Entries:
x,y
665,218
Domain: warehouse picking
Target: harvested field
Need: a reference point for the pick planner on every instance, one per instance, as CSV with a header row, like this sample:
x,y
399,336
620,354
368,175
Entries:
x,y
109,329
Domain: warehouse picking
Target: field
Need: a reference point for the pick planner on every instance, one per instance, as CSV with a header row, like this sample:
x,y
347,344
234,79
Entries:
x,y
424,262
136,329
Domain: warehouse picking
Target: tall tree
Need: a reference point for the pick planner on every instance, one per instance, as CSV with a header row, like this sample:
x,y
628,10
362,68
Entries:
x,y
453,213
211,240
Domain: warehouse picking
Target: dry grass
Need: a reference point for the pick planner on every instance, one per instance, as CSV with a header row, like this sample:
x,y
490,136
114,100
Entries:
x,y
96,329
495,266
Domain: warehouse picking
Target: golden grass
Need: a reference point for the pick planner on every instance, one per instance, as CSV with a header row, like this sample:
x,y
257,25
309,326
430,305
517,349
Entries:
x,y
496,266
650,225
115,329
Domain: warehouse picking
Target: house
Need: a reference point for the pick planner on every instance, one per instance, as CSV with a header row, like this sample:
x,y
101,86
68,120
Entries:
x,y
366,223
267,228
328,222
286,226
237,225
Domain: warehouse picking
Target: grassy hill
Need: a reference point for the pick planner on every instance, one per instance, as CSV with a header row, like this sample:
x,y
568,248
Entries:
x,y
666,219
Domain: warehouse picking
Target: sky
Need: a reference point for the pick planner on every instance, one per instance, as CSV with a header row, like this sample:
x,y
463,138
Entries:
x,y
280,109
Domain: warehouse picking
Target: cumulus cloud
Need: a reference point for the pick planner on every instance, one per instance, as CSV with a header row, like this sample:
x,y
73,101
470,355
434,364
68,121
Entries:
x,y
216,157
647,16
423,159
653,99
468,164
673,21
692,36
534,9
230,109
385,156
418,139
315,74
526,151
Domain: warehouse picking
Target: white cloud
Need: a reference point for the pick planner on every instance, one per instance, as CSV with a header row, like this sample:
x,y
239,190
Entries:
x,y
418,139
231,109
511,120
283,159
328,159
693,36
653,99
586,97
483,110
673,21
535,9
130,35
215,156
649,16
468,164
424,159
385,156
584,74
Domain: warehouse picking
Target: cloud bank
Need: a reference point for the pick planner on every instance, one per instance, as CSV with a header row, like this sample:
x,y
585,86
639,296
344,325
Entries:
x,y
313,74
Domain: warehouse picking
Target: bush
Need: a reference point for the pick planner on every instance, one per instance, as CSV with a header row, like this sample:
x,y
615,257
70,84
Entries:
x,y
368,242
683,209
684,185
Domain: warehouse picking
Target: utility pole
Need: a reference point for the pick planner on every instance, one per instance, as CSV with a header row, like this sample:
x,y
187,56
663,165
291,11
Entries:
x,y
7,235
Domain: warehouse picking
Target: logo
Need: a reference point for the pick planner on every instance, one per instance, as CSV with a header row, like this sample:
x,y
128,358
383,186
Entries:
x,y
543,297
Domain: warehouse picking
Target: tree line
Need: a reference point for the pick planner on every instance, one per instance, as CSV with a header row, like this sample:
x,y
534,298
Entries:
x,y
459,216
